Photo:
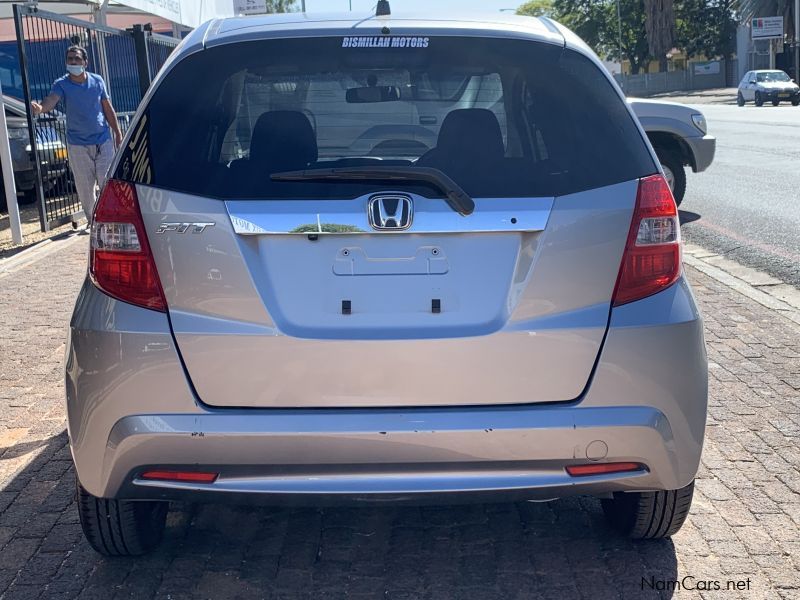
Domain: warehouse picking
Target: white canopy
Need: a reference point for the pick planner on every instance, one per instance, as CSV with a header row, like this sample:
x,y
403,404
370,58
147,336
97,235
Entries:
x,y
191,13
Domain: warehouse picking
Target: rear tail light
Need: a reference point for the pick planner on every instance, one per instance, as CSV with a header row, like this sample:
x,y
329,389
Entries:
x,y
184,476
604,468
652,258
120,261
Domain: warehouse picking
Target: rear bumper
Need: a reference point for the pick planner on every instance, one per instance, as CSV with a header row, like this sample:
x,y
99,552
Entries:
x,y
391,454
130,408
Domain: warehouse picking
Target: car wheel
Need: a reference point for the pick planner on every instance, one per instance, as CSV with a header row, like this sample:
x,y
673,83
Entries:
x,y
740,99
121,527
673,173
759,99
796,101
649,515
776,102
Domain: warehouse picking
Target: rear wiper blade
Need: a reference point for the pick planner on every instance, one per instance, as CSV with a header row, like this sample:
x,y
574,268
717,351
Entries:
x,y
457,198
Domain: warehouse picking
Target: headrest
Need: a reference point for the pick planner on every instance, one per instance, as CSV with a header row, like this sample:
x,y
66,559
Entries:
x,y
283,140
471,132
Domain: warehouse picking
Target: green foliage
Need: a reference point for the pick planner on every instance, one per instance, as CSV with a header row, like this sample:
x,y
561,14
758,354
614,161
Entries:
x,y
536,8
702,27
326,228
595,21
706,27
280,6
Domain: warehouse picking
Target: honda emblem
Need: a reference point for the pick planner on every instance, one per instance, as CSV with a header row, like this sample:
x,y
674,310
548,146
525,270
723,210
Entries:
x,y
390,212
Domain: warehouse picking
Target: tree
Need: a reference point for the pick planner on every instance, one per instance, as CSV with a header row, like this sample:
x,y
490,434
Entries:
x,y
634,37
596,22
536,8
706,27
280,6
660,28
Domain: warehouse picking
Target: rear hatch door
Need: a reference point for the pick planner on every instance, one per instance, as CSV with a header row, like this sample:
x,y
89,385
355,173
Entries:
x,y
378,291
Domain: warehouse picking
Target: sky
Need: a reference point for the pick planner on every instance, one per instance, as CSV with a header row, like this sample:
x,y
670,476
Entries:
x,y
456,6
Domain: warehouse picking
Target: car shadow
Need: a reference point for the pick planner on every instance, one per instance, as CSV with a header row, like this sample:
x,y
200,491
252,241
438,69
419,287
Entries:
x,y
561,549
687,217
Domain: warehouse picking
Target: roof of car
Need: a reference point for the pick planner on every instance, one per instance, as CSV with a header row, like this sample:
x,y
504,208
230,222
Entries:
x,y
490,24
297,25
351,20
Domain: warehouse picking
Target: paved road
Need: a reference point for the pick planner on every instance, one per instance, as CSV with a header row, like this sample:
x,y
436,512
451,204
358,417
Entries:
x,y
744,526
747,204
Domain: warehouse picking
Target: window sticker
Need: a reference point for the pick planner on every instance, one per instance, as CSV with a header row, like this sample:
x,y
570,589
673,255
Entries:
x,y
135,164
385,41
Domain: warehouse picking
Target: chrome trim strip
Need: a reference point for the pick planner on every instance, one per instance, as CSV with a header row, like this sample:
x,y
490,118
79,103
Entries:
x,y
350,217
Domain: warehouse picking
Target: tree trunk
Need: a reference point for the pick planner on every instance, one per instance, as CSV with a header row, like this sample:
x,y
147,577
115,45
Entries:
x,y
663,64
660,29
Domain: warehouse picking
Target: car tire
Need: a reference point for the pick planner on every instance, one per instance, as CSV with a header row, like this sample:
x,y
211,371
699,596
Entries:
x,y
795,101
759,99
674,172
740,99
649,515
776,102
121,527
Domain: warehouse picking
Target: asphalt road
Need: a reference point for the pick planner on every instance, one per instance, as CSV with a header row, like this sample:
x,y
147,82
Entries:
x,y
747,204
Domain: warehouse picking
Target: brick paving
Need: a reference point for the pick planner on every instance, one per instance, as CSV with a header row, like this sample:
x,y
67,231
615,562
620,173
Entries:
x,y
744,525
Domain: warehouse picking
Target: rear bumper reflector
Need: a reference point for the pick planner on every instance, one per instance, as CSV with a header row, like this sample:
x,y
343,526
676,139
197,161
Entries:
x,y
604,468
185,476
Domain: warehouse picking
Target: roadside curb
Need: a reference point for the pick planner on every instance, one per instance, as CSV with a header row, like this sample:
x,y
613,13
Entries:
x,y
756,285
36,253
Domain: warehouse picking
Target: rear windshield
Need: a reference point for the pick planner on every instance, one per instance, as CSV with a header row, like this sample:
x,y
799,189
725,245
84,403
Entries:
x,y
502,118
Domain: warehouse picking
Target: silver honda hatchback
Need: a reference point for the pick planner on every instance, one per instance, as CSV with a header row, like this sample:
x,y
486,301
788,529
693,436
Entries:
x,y
390,259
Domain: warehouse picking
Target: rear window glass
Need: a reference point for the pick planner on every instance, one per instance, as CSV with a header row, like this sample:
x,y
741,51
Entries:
x,y
502,118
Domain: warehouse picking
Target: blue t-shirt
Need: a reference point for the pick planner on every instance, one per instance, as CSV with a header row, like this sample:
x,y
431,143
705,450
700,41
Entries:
x,y
86,123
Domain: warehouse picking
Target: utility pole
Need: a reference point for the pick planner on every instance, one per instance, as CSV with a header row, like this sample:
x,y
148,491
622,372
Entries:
x,y
100,12
303,5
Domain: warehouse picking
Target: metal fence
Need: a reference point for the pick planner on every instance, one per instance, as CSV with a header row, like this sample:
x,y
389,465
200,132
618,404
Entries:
x,y
698,76
43,39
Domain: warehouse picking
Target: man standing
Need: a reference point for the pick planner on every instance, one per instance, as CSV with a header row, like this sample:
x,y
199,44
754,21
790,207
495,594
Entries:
x,y
90,121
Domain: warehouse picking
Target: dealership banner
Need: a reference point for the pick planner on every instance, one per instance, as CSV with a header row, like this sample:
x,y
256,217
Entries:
x,y
767,28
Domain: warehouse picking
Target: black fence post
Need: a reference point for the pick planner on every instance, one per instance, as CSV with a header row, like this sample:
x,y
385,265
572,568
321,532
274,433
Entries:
x,y
142,60
23,58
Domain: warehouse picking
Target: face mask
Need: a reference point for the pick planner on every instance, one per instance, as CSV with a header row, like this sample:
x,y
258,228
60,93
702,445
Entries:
x,y
76,69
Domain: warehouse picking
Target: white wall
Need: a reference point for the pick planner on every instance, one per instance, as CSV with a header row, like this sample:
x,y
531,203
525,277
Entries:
x,y
744,45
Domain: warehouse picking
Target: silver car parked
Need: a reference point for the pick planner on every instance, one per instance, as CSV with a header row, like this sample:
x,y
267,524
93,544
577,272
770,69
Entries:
x,y
384,260
767,86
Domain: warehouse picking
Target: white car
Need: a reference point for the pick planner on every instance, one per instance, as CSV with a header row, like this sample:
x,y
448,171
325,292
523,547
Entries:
x,y
767,86
679,135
